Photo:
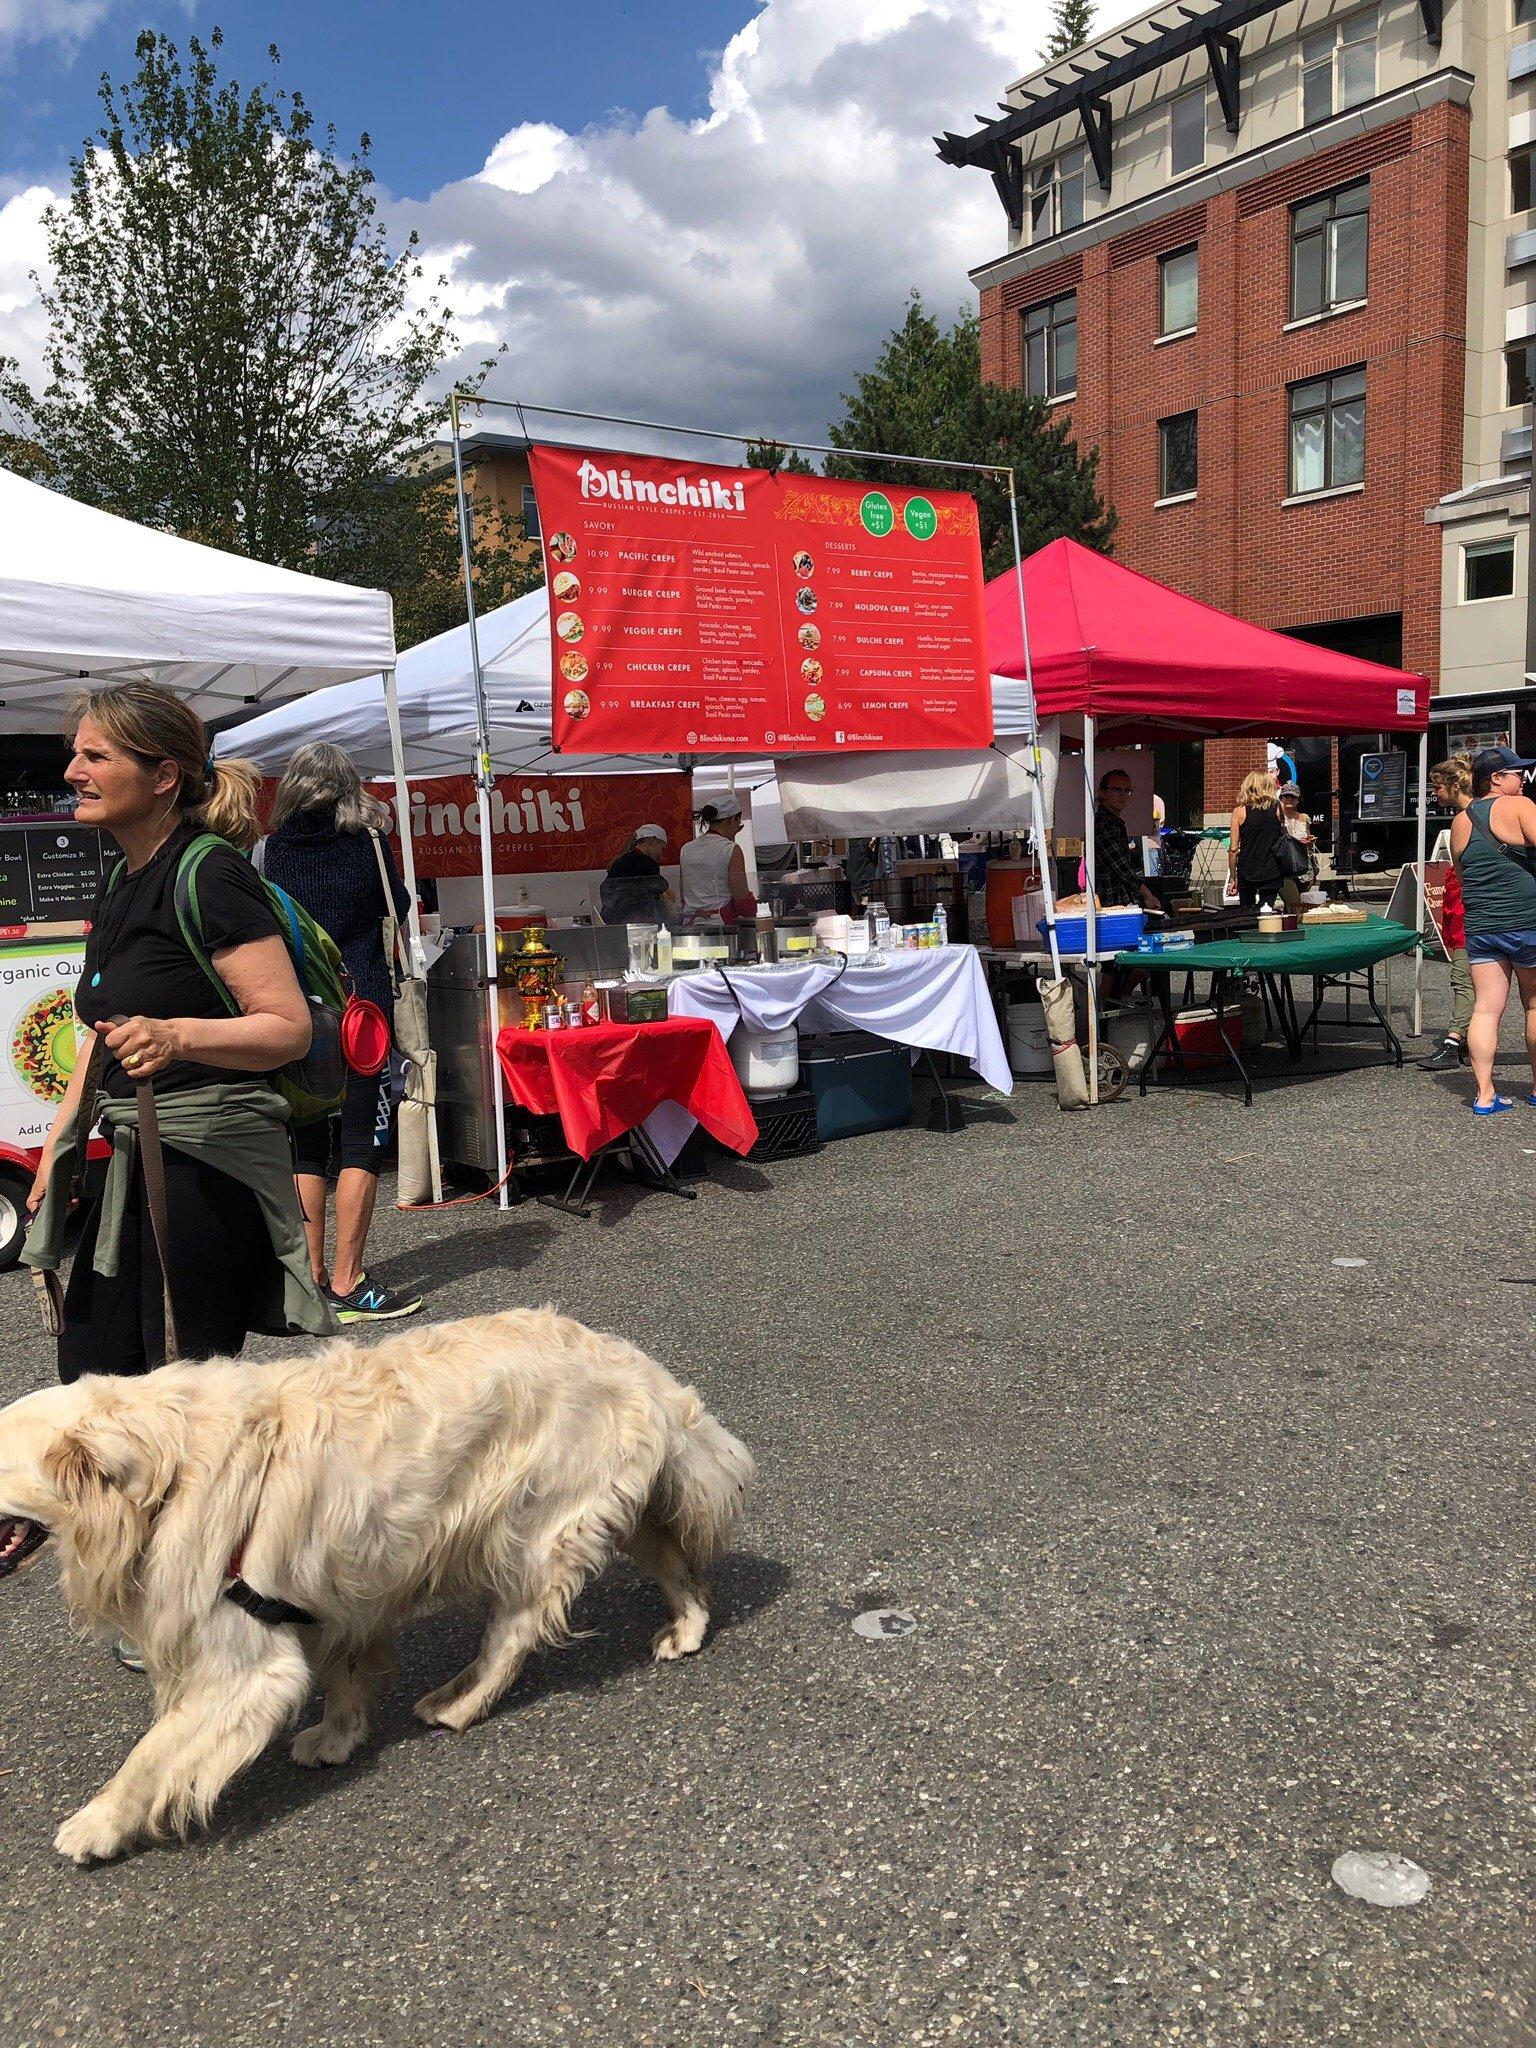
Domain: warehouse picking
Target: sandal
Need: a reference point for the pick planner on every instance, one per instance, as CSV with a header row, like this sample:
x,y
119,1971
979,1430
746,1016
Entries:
x,y
1499,1102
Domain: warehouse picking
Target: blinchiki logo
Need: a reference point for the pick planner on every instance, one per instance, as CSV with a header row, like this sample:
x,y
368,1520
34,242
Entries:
x,y
704,494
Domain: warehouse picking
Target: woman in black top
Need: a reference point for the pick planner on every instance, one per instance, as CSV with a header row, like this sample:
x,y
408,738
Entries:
x,y
325,848
1253,854
141,772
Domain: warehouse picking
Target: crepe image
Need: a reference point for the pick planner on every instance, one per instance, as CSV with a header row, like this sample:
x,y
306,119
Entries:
x,y
805,600
815,706
574,667
569,626
809,638
811,671
804,565
566,587
562,547
44,1045
577,703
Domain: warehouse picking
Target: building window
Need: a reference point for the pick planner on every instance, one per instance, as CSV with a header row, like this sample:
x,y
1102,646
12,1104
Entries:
x,y
530,514
1178,292
1520,183
1488,570
1050,348
1525,13
1338,67
1520,373
1329,244
1178,456
1328,432
1186,132
1057,193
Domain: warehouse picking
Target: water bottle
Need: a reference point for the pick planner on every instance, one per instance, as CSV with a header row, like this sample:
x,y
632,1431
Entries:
x,y
941,922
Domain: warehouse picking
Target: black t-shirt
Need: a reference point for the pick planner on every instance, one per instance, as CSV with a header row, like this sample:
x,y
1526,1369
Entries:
x,y
137,963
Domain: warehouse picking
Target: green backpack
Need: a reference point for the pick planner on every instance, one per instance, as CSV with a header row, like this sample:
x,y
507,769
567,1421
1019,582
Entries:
x,y
313,1085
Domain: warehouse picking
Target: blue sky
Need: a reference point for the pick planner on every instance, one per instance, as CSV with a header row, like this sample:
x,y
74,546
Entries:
x,y
698,210
434,85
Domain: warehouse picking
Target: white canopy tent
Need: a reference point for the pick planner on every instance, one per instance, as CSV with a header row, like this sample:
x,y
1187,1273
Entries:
x,y
85,595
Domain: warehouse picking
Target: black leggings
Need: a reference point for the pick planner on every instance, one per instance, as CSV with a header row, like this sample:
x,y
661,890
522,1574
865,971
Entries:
x,y
221,1257
364,1120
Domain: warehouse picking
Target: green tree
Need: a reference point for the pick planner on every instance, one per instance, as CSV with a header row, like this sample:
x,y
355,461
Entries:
x,y
777,459
1071,26
925,397
237,351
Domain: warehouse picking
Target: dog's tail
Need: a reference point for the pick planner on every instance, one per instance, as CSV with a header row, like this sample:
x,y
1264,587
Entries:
x,y
703,1480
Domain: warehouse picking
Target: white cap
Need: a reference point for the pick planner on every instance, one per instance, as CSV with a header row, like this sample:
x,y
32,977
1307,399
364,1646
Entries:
x,y
651,832
725,805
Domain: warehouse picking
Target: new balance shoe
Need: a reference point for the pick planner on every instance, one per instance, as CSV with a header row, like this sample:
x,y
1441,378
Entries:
x,y
370,1303
1452,1053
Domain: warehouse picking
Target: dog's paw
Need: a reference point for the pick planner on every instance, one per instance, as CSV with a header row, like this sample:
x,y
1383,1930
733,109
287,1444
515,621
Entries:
x,y
328,1742
679,1639
454,1706
92,1835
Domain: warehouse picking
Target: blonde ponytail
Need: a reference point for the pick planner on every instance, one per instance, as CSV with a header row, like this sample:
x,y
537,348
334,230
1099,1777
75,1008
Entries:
x,y
231,806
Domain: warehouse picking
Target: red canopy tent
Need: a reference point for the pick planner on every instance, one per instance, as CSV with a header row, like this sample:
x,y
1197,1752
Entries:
x,y
1142,661
1138,661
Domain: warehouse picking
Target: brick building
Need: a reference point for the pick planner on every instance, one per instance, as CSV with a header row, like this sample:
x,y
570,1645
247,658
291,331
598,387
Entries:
x,y
1259,257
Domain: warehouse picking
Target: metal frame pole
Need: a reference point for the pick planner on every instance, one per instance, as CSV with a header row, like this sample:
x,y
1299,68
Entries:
x,y
1036,764
1418,894
408,873
484,783
1090,759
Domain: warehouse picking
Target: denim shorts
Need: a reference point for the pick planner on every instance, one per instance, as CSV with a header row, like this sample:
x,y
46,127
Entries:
x,y
1515,949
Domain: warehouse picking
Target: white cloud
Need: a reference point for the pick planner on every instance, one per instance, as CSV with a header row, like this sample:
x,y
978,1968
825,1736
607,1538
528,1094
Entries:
x,y
738,270
733,271
41,21
23,249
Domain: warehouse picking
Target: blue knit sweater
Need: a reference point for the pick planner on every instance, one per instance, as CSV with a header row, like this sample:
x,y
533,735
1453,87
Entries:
x,y
336,878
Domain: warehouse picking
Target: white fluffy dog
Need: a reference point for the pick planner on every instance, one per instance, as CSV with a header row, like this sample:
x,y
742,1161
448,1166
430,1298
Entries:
x,y
503,1459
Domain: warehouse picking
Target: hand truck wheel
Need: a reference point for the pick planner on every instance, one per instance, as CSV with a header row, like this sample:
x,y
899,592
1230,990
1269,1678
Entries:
x,y
1114,1074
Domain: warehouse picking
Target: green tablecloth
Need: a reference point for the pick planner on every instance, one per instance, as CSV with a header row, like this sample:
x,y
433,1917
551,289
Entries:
x,y
1324,949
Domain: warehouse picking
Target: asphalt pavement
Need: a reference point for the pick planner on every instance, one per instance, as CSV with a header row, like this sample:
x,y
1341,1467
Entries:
x,y
1197,1441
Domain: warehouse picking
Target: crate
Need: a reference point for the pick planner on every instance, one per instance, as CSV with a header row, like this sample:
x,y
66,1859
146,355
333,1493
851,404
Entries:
x,y
860,1083
786,1126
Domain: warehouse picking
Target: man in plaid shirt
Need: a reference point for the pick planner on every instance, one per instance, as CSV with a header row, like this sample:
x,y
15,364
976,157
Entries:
x,y
1117,874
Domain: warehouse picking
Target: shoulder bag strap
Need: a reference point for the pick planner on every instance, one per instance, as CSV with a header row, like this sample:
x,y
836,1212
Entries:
x,y
152,1158
395,956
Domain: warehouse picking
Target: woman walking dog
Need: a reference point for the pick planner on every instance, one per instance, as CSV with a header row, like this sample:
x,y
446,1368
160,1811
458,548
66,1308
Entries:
x,y
219,1151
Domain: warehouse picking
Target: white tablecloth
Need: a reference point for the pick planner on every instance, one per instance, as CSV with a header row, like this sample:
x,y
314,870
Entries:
x,y
934,1001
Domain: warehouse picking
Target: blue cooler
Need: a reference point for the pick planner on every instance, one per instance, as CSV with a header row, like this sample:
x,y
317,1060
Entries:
x,y
1117,933
858,1083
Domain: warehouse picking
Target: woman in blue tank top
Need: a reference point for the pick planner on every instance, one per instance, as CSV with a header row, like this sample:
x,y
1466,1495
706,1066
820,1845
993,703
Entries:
x,y
1493,843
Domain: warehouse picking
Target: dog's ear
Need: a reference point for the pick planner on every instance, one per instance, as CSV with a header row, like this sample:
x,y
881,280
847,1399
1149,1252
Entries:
x,y
103,1529
113,1445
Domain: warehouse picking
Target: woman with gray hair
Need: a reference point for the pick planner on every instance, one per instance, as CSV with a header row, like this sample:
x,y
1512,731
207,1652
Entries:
x,y
327,848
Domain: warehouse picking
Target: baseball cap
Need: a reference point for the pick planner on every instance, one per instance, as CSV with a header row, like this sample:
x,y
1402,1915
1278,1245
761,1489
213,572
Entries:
x,y
1496,760
651,832
1290,789
725,806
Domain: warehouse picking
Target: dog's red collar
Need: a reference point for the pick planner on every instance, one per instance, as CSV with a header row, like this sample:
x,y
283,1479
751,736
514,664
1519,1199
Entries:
x,y
275,1613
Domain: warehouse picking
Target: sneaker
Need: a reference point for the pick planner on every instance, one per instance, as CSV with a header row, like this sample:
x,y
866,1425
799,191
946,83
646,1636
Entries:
x,y
370,1303
1451,1054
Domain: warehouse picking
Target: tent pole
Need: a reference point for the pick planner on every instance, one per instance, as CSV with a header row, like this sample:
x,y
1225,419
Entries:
x,y
484,782
1036,765
408,874
1418,894
1093,908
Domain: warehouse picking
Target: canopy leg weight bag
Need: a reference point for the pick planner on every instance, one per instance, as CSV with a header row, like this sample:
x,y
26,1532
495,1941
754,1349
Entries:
x,y
1060,1007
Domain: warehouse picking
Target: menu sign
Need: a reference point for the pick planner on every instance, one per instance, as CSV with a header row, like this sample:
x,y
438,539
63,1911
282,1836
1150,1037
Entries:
x,y
50,872
700,610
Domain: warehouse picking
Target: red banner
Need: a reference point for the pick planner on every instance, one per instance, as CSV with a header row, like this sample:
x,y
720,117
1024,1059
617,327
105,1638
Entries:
x,y
540,824
726,610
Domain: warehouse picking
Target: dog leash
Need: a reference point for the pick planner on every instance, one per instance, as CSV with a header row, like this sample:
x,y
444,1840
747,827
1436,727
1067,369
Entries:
x,y
152,1159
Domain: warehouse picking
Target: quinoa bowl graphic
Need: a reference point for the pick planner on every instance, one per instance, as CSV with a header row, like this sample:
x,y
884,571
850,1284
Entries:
x,y
44,1045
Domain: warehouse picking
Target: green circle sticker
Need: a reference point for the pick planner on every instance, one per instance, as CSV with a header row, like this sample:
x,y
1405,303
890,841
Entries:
x,y
922,521
877,513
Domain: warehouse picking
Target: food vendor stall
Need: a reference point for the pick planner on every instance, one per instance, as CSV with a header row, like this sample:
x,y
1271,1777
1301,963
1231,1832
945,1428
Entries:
x,y
86,597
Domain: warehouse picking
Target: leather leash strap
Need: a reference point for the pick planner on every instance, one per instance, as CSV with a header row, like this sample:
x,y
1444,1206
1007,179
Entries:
x,y
153,1161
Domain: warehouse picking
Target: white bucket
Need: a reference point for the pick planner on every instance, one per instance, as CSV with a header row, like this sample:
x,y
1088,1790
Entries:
x,y
1130,1031
766,1062
1029,1044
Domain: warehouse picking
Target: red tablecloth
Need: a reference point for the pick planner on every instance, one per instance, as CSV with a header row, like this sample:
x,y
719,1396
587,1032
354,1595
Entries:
x,y
603,1079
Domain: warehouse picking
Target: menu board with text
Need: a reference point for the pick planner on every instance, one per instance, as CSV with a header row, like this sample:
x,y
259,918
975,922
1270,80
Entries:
x,y
709,610
51,872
